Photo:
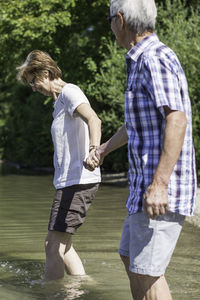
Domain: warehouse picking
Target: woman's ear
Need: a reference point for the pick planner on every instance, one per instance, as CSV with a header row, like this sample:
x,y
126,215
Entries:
x,y
46,74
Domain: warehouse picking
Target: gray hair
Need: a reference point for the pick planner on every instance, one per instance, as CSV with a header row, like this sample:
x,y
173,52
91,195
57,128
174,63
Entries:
x,y
140,15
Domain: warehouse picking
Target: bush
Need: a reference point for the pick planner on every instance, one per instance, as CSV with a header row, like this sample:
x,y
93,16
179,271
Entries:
x,y
179,28
82,44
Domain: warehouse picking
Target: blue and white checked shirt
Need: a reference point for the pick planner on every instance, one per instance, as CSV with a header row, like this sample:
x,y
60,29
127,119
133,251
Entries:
x,y
155,79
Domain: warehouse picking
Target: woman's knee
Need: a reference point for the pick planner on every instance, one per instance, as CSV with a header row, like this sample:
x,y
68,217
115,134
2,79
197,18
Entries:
x,y
57,242
51,247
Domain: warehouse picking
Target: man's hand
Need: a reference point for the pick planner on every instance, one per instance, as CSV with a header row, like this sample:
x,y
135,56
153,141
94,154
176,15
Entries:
x,y
155,202
95,159
92,161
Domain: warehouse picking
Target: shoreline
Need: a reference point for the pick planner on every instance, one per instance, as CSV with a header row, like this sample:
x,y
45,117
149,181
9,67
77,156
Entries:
x,y
117,179
195,220
121,180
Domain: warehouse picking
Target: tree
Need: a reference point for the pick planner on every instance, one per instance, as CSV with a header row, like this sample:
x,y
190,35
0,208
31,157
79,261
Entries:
x,y
77,35
66,31
179,28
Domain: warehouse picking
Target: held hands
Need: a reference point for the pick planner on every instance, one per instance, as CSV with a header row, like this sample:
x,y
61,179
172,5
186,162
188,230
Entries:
x,y
94,159
155,202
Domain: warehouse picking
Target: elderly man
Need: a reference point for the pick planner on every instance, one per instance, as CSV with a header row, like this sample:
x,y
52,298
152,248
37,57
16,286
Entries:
x,y
158,130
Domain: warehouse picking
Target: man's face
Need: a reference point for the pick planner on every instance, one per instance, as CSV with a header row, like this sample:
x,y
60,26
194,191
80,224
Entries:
x,y
117,28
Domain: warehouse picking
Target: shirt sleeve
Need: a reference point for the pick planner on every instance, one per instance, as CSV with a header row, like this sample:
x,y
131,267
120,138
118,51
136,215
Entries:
x,y
161,81
73,97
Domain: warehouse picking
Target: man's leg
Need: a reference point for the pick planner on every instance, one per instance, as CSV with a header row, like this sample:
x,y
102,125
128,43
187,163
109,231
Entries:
x,y
144,287
60,255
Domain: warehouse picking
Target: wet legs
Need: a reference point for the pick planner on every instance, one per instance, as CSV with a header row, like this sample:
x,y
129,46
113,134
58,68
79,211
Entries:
x,y
61,256
144,287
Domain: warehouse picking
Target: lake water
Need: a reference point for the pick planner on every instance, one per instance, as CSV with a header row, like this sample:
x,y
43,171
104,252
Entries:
x,y
25,203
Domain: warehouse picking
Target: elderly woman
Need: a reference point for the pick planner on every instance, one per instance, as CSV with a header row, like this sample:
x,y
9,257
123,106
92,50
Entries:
x,y
76,132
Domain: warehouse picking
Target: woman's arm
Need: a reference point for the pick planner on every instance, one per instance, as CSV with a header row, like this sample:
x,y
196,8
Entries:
x,y
87,114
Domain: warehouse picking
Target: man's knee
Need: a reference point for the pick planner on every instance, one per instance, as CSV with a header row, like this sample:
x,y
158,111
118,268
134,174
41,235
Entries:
x,y
124,258
144,281
126,262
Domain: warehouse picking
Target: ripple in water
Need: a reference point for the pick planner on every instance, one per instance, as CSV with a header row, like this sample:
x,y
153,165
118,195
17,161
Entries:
x,y
16,275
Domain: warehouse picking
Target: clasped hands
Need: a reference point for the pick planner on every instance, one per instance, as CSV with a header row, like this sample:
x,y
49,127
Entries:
x,y
94,159
155,201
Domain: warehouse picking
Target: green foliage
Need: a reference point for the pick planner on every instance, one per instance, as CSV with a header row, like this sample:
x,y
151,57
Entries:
x,y
179,28
106,91
71,32
77,35
27,130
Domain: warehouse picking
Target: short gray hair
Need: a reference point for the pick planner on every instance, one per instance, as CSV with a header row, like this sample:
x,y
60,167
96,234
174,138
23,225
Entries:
x,y
140,15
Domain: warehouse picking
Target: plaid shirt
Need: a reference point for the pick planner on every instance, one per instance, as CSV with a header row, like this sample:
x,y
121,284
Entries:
x,y
155,79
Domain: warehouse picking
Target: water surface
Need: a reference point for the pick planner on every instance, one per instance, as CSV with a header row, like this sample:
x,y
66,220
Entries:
x,y
25,203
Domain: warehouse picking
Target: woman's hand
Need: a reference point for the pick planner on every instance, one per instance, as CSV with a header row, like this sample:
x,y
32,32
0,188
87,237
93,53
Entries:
x,y
92,161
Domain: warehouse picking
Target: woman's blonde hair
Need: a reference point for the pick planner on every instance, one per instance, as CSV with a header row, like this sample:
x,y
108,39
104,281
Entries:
x,y
36,63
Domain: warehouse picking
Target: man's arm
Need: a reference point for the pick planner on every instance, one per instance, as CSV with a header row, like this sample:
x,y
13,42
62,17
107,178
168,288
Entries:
x,y
156,198
116,141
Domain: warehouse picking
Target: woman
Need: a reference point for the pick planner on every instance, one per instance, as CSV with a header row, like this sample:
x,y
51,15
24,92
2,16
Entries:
x,y
76,132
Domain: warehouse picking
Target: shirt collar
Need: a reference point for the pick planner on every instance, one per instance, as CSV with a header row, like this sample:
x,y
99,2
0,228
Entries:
x,y
135,52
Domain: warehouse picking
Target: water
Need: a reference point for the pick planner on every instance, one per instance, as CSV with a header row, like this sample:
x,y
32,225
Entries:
x,y
25,203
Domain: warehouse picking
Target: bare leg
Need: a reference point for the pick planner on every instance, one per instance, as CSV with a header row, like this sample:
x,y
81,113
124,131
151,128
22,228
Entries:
x,y
58,253
73,264
144,287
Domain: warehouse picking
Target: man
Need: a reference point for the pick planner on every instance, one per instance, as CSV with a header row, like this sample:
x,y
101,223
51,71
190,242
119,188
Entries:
x,y
158,130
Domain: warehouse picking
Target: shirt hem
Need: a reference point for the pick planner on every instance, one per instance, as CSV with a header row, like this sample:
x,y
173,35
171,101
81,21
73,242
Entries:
x,y
180,212
73,182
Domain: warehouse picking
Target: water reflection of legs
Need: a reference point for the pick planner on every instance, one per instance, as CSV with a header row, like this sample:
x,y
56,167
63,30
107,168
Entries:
x,y
69,288
60,255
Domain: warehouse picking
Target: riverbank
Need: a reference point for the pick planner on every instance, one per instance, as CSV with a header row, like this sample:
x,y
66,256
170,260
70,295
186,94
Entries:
x,y
118,179
195,220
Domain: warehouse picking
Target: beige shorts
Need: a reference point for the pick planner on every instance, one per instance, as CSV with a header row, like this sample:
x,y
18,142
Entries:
x,y
150,243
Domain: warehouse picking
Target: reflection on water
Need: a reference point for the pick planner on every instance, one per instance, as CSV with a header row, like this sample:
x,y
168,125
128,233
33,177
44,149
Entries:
x,y
25,203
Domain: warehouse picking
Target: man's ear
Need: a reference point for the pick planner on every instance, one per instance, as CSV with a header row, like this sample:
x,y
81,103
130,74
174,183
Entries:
x,y
121,19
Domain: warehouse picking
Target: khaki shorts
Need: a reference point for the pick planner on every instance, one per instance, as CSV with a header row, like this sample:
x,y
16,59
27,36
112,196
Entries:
x,y
70,206
150,243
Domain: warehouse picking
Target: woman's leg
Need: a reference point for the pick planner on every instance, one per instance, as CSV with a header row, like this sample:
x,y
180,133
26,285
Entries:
x,y
73,263
61,254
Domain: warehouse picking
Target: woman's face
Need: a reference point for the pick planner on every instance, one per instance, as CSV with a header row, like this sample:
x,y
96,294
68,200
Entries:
x,y
41,85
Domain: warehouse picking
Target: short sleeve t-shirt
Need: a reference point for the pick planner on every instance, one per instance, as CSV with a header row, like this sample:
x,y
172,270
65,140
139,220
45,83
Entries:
x,y
70,135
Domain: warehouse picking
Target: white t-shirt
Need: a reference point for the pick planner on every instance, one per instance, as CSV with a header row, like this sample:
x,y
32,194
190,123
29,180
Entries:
x,y
70,136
